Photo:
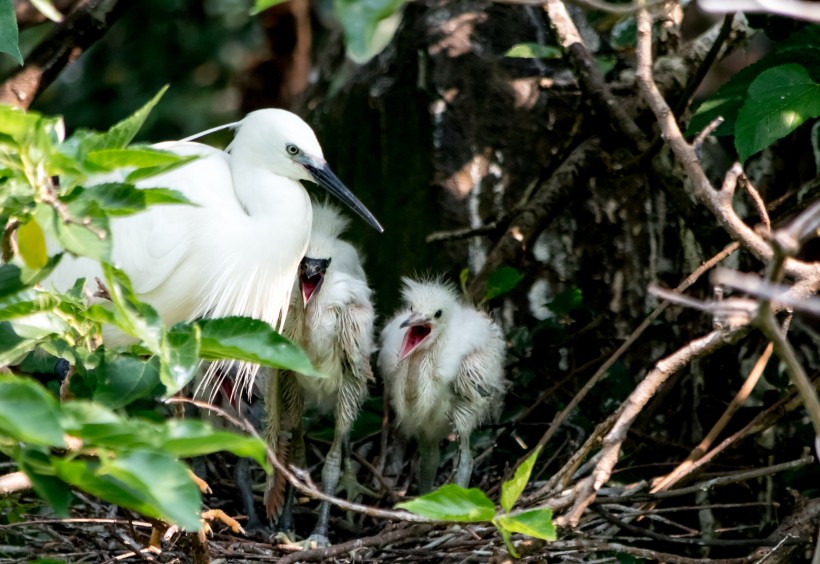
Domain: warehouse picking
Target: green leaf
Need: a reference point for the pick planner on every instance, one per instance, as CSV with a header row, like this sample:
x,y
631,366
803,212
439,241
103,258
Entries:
x,y
8,31
152,483
148,171
566,301
536,523
180,357
780,99
511,489
505,536
123,379
186,438
123,132
119,136
361,19
90,240
32,244
28,413
452,503
802,48
11,280
533,51
501,281
252,340
262,5
111,159
120,199
132,316
13,345
35,462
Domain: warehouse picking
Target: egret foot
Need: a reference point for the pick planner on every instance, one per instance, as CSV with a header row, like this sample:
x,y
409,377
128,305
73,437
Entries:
x,y
351,485
212,514
283,537
315,541
256,529
200,483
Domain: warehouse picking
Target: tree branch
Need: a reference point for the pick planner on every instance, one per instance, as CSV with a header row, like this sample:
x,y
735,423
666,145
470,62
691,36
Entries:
x,y
88,22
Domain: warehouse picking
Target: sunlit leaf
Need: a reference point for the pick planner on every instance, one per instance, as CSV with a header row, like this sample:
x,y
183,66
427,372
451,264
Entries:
x,y
262,5
29,413
452,503
32,244
85,236
511,489
780,99
111,159
536,523
533,51
118,136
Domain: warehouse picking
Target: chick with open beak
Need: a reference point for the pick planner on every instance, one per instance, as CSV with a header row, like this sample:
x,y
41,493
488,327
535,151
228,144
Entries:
x,y
443,366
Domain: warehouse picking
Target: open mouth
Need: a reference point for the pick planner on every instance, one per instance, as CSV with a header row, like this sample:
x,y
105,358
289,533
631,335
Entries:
x,y
413,338
311,285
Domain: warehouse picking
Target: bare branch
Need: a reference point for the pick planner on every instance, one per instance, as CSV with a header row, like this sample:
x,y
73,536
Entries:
x,y
83,27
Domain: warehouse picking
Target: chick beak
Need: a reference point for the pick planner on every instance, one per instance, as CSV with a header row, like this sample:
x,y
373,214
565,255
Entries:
x,y
312,276
418,329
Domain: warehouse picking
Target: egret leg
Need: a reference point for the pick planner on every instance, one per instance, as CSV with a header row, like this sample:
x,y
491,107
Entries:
x,y
242,475
464,467
429,457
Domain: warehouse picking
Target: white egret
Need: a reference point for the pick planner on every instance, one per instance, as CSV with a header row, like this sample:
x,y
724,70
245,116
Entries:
x,y
331,317
443,366
237,251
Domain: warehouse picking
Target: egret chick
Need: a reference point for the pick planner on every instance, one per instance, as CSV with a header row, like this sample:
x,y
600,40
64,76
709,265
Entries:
x,y
238,249
331,318
443,366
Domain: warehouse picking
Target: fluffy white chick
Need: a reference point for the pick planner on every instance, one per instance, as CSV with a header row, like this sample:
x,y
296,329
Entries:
x,y
443,366
331,318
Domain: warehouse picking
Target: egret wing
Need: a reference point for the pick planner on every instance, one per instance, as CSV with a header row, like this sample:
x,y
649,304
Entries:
x,y
151,246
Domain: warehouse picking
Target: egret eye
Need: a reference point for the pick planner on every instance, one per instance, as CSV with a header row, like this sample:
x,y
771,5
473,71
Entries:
x,y
437,314
292,149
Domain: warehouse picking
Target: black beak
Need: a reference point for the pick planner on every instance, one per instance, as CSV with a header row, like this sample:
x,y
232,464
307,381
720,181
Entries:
x,y
325,178
311,276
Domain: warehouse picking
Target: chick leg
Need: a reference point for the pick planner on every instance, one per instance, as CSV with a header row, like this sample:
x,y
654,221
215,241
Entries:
x,y
429,458
464,467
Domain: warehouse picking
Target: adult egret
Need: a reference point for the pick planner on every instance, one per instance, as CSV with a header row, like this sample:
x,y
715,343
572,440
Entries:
x,y
238,249
443,366
331,317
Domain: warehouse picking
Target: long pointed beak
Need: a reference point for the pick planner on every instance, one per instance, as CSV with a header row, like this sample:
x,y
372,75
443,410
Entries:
x,y
414,320
326,178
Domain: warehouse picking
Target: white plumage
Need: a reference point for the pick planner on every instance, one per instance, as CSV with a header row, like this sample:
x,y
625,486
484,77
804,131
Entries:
x,y
237,251
443,366
331,317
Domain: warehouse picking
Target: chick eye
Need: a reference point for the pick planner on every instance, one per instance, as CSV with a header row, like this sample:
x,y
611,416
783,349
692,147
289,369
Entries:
x,y
437,314
292,149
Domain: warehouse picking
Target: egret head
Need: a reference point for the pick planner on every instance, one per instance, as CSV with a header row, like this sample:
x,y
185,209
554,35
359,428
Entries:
x,y
284,144
431,305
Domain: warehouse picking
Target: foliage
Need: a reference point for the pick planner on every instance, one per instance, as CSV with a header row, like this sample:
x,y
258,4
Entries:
x,y
368,25
8,31
50,191
533,51
454,503
769,99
